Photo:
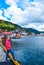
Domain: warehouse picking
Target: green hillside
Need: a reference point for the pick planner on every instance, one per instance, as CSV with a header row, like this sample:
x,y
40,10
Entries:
x,y
8,25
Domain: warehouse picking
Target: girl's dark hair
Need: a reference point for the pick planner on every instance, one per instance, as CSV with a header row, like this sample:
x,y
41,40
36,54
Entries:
x,y
5,36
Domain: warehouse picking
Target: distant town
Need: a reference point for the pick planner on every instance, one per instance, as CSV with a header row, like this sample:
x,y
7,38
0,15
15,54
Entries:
x,y
18,34
16,31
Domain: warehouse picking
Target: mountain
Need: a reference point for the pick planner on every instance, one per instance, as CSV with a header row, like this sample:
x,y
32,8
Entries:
x,y
41,31
33,30
8,25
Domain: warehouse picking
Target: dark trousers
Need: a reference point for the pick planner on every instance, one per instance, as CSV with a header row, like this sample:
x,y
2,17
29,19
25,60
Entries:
x,y
9,51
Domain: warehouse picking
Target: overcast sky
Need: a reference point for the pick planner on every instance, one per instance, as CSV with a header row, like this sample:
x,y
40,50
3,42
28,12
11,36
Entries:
x,y
26,13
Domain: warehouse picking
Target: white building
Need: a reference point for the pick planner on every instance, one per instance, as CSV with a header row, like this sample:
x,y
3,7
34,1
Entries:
x,y
24,33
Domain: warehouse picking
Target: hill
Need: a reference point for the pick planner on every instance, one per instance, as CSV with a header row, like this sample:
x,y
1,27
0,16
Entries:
x,y
41,31
5,25
33,30
8,25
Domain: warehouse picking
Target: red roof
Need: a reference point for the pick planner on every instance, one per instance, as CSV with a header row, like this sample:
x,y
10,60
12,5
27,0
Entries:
x,y
6,32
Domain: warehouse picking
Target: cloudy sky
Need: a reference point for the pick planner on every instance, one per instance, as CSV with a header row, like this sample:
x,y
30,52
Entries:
x,y
26,13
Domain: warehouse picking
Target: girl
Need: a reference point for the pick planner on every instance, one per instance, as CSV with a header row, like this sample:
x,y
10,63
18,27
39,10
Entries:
x,y
8,47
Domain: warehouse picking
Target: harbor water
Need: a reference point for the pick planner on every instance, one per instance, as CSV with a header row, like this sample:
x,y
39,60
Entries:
x,y
29,50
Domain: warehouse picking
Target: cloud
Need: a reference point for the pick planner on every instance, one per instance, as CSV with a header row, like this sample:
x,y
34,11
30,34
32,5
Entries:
x,y
41,27
30,25
25,13
0,12
37,26
19,16
32,11
1,17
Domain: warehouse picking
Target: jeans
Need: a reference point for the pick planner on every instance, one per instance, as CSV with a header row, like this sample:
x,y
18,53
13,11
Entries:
x,y
7,54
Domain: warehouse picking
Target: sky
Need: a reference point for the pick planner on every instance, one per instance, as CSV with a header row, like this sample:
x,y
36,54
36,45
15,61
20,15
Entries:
x,y
26,13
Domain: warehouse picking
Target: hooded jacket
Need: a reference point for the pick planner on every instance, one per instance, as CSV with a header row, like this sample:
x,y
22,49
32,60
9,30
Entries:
x,y
7,44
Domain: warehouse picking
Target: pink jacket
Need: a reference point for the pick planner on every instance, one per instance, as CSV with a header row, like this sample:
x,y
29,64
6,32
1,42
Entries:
x,y
8,44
